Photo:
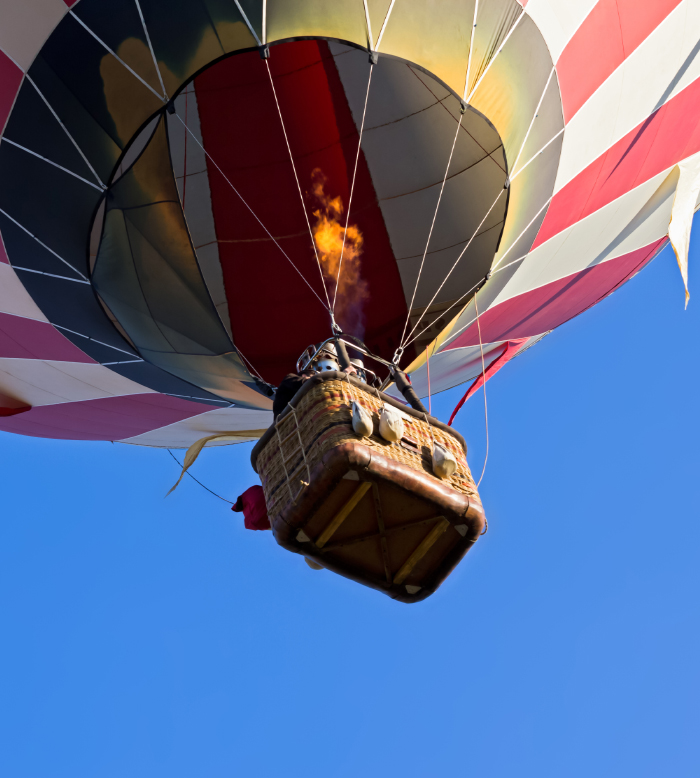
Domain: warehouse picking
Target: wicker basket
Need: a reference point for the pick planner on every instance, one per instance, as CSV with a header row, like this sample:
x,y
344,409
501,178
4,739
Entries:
x,y
309,459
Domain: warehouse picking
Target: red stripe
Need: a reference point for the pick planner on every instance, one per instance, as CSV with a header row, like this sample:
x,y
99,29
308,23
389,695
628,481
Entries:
x,y
549,306
108,418
609,34
22,338
3,252
10,80
669,135
273,314
510,349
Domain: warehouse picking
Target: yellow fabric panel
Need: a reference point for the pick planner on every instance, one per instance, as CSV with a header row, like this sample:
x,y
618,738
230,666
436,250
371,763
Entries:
x,y
434,34
317,18
509,93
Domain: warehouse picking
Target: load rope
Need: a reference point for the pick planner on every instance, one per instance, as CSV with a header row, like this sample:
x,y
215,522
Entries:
x,y
296,178
352,187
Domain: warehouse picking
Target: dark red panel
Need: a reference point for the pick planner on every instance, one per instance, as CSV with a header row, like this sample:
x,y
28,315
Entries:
x,y
607,36
669,135
10,80
273,314
3,252
22,338
109,418
551,305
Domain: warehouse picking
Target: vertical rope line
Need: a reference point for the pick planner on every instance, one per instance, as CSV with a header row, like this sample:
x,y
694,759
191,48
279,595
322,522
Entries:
x,y
471,48
483,378
65,129
444,281
252,212
150,47
532,122
296,178
432,225
427,362
184,176
352,187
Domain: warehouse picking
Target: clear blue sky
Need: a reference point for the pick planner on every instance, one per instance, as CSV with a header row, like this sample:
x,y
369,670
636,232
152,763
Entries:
x,y
144,636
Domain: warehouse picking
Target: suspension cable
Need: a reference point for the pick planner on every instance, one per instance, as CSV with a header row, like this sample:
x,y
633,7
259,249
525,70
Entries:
x,y
255,216
352,187
197,481
444,281
483,379
432,225
296,178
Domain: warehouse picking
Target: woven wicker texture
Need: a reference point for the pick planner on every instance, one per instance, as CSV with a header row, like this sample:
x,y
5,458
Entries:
x,y
323,420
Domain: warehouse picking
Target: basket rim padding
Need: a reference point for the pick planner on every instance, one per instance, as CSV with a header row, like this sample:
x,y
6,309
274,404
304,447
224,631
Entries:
x,y
334,375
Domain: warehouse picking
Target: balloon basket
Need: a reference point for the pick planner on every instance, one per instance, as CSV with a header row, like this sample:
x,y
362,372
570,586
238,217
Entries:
x,y
365,508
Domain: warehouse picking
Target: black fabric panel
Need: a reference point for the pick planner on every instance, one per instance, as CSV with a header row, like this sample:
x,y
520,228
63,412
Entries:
x,y
51,204
146,269
24,251
119,26
101,103
184,39
74,306
147,274
154,378
254,11
32,125
97,145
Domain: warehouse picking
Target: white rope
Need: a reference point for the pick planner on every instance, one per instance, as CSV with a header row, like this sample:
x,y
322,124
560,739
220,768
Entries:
x,y
150,47
386,19
370,40
469,242
296,178
41,243
534,116
246,20
432,225
454,304
483,379
55,164
255,216
65,129
515,242
94,340
352,187
495,56
534,156
471,46
119,59
51,275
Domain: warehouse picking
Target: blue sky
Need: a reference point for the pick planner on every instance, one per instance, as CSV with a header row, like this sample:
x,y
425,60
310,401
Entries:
x,y
145,636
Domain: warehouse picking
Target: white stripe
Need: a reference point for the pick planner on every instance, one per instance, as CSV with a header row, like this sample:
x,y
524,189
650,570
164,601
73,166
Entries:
x,y
666,63
558,20
633,221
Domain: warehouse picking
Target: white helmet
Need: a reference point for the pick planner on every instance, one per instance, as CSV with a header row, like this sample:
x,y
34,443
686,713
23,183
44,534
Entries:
x,y
327,359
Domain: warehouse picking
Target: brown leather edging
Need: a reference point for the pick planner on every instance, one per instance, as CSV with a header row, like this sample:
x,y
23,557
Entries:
x,y
320,378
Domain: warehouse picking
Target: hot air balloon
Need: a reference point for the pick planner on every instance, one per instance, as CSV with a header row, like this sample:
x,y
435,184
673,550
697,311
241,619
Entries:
x,y
192,191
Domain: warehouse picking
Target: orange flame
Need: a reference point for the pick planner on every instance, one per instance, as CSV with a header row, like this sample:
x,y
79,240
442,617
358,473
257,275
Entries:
x,y
328,231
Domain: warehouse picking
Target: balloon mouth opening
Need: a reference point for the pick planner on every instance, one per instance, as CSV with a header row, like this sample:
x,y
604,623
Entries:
x,y
247,207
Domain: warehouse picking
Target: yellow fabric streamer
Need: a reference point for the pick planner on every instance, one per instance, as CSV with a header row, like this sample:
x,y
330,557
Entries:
x,y
196,448
687,192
